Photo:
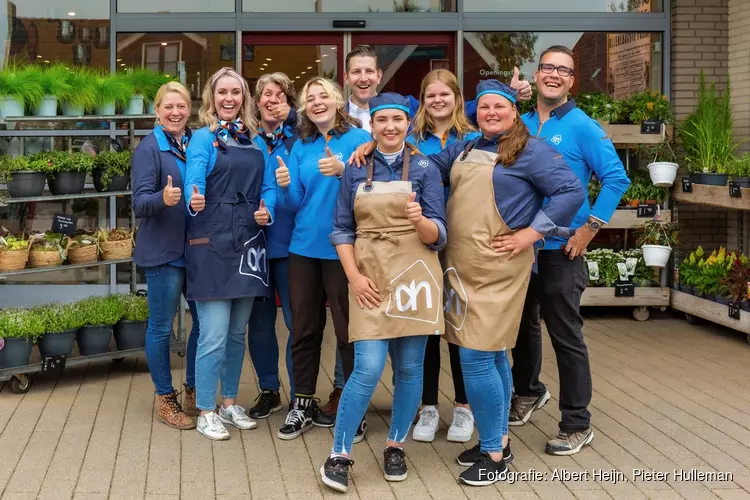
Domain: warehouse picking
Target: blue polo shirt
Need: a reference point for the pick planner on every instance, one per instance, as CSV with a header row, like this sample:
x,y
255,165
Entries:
x,y
586,149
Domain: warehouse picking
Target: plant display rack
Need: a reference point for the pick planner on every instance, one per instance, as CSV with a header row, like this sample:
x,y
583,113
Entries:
x,y
698,307
626,137
20,376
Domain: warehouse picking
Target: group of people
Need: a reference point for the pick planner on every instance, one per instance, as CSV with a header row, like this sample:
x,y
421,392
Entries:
x,y
401,217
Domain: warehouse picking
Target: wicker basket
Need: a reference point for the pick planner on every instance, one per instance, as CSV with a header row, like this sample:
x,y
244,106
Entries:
x,y
39,258
83,254
13,260
112,250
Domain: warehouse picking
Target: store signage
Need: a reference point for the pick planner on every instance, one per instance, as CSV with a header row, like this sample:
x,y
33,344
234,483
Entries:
x,y
651,127
64,223
624,289
687,186
349,24
54,364
734,189
649,210
734,310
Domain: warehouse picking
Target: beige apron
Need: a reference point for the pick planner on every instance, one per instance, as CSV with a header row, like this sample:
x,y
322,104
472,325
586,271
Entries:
x,y
389,252
484,292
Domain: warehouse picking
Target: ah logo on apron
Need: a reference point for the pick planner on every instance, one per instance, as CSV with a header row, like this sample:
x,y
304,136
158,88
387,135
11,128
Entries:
x,y
456,300
254,261
407,288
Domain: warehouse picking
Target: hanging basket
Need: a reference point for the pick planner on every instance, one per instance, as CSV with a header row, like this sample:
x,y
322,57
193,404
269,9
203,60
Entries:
x,y
662,173
122,249
656,255
41,258
13,260
83,254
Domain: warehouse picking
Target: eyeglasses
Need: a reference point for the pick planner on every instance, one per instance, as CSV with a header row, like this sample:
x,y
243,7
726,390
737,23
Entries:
x,y
561,70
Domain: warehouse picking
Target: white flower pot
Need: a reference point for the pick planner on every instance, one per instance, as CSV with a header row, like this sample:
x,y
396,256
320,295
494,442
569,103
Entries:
x,y
71,110
663,173
656,255
47,106
106,109
10,106
135,105
151,108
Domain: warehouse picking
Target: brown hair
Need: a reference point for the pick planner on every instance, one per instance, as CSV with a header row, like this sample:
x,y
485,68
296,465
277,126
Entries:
x,y
513,141
556,49
362,51
247,114
424,123
343,120
280,79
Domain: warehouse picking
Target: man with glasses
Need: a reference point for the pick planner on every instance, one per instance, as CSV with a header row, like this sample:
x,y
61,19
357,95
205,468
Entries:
x,y
556,290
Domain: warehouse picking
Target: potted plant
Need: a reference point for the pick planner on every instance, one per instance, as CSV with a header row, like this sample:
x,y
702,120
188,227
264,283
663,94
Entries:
x,y
688,270
662,166
23,177
735,283
112,92
61,323
98,315
708,136
130,331
18,328
163,78
83,248
46,249
68,171
112,170
84,92
647,105
54,84
710,273
600,107
145,84
16,90
14,252
739,169
656,241
116,243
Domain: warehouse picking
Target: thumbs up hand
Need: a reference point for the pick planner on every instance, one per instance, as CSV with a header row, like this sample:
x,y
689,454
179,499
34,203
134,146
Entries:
x,y
262,215
330,166
282,173
414,209
171,195
522,86
197,200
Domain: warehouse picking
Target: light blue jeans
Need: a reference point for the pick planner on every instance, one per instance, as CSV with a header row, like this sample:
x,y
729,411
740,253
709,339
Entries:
x,y
369,361
221,348
489,383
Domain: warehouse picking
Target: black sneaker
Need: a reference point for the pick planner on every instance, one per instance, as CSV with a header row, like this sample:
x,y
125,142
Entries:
x,y
298,420
484,472
361,431
522,407
320,418
468,457
394,462
268,402
335,473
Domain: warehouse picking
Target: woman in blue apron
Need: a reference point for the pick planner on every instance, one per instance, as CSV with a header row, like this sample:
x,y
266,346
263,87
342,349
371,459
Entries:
x,y
441,121
230,195
388,226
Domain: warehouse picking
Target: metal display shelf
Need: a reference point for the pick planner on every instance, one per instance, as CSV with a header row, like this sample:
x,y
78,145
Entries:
x,y
6,200
60,118
35,270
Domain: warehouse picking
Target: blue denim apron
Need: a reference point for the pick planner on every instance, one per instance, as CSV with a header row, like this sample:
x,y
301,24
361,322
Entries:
x,y
226,251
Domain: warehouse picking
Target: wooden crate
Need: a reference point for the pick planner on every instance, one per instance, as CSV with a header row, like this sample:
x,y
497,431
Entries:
x,y
709,310
644,296
716,196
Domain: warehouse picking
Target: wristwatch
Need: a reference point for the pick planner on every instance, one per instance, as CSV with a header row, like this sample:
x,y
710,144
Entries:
x,y
594,225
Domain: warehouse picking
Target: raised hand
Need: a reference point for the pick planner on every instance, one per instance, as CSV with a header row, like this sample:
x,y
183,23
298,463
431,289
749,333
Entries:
x,y
282,173
262,215
359,154
171,195
329,165
197,200
413,209
522,86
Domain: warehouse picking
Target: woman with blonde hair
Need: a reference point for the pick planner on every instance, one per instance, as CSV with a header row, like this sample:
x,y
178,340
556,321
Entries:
x,y
230,194
308,183
158,167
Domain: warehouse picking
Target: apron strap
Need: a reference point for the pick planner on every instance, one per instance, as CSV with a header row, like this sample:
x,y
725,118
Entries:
x,y
370,172
468,149
407,154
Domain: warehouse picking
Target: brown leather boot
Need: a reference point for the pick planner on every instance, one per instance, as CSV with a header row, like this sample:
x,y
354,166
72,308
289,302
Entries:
x,y
170,412
332,406
188,402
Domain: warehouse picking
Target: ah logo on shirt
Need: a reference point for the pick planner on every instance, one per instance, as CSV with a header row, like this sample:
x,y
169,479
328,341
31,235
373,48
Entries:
x,y
254,261
556,140
423,163
340,156
415,296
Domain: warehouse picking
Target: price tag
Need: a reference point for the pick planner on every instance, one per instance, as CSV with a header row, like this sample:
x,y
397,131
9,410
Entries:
x,y
734,189
64,224
54,363
687,185
647,210
594,272
630,264
734,310
651,127
624,289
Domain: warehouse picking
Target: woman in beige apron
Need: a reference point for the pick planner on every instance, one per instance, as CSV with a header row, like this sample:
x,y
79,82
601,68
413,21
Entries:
x,y
388,226
496,213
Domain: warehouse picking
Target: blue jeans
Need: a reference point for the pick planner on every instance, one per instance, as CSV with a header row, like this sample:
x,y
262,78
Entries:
x,y
221,348
489,384
338,372
166,284
369,361
261,331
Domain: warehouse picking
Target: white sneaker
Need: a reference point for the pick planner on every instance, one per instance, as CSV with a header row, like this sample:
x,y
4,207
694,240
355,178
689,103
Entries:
x,y
462,427
235,415
428,424
210,426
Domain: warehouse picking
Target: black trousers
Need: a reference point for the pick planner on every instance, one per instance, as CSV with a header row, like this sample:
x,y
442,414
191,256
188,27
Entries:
x,y
556,293
311,283
432,372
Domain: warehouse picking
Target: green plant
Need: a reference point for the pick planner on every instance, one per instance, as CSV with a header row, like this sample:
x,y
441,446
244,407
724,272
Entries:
x,y
117,234
60,317
609,274
594,189
83,239
736,280
712,271
82,82
599,106
15,82
641,189
707,134
112,88
740,166
21,323
52,80
13,243
134,307
113,163
48,242
688,269
145,82
96,311
647,105
8,165
658,232
651,153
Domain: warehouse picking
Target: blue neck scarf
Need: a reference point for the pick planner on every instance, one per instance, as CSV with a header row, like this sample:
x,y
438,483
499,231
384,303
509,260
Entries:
x,y
236,130
175,147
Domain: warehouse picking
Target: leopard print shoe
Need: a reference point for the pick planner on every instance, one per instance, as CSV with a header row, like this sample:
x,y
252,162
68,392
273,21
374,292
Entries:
x,y
170,412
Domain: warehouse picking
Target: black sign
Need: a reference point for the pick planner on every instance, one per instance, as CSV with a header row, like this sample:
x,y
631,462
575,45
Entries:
x,y
734,310
54,363
651,127
64,224
647,210
687,186
624,289
734,189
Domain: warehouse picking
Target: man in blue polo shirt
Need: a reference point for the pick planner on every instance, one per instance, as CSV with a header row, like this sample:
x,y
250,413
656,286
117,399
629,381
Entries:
x,y
556,290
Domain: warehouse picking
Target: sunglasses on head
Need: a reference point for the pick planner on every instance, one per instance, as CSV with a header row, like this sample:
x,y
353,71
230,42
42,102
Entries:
x,y
548,69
